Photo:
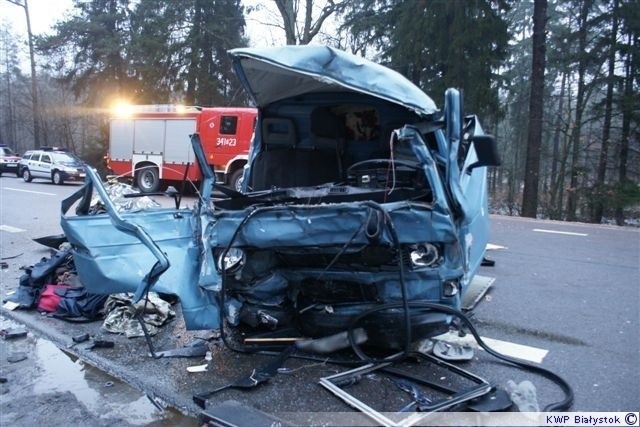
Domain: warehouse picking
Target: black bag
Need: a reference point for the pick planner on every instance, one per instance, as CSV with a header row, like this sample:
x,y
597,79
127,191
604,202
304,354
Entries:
x,y
35,277
41,272
78,305
25,296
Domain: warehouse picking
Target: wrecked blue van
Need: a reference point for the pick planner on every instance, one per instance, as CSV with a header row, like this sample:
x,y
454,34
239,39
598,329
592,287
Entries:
x,y
360,198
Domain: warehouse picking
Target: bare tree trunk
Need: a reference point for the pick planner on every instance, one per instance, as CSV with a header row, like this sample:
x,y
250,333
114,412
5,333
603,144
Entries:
x,y
556,139
288,13
561,177
11,124
34,81
627,110
566,145
606,127
572,199
536,100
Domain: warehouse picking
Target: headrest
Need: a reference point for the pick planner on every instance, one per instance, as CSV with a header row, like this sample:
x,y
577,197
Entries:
x,y
278,131
325,124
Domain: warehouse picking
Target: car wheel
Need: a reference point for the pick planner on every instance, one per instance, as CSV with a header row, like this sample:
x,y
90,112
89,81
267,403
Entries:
x,y
235,182
148,180
26,175
56,178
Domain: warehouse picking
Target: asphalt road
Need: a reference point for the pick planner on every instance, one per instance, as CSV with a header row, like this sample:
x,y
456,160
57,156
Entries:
x,y
576,295
570,289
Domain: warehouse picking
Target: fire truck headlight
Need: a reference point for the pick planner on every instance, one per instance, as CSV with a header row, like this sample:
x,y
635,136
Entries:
x,y
122,109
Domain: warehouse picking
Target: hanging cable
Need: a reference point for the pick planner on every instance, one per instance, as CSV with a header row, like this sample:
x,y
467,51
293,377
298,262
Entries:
x,y
406,305
557,379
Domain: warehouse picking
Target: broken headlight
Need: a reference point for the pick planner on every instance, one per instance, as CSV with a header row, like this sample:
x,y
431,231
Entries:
x,y
424,255
231,261
451,288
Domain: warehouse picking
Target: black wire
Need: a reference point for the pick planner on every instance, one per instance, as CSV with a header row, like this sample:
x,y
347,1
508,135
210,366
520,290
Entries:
x,y
140,317
344,248
394,236
403,286
406,306
245,349
557,379
245,220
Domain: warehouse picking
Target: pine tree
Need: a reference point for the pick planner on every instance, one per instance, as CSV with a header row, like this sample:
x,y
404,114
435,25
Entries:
x,y
215,27
610,42
536,101
97,38
439,44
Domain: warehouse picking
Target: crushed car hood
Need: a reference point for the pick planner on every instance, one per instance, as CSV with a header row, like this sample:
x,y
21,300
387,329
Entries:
x,y
272,74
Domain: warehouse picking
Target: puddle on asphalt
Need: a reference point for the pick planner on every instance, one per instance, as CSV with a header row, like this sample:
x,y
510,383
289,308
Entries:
x,y
48,369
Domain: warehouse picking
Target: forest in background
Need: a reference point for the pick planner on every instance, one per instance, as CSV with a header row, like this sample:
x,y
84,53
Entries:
x,y
557,82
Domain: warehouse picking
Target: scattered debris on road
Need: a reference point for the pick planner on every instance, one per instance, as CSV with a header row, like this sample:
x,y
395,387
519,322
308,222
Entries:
x,y
360,227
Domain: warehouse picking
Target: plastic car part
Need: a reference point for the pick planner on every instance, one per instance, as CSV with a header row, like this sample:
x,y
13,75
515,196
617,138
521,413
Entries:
x,y
419,399
480,388
496,401
100,344
196,348
257,376
452,352
80,338
486,262
13,333
54,241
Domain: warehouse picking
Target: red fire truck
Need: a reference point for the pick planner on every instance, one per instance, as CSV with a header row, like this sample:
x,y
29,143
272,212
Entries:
x,y
151,143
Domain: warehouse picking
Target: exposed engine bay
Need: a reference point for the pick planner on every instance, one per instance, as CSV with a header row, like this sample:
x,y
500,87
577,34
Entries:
x,y
360,197
351,181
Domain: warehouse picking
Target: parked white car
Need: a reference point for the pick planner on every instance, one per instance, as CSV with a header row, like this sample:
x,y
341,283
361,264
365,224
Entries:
x,y
55,164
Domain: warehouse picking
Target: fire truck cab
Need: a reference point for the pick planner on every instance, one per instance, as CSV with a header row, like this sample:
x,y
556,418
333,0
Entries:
x,y
151,143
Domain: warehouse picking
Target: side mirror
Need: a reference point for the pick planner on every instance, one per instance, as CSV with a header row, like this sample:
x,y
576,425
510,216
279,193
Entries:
x,y
486,150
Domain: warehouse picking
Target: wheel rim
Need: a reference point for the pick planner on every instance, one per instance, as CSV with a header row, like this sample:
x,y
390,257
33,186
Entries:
x,y
147,180
25,175
238,184
56,178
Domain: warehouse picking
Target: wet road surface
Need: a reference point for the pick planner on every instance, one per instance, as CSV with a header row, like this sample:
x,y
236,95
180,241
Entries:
x,y
568,289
